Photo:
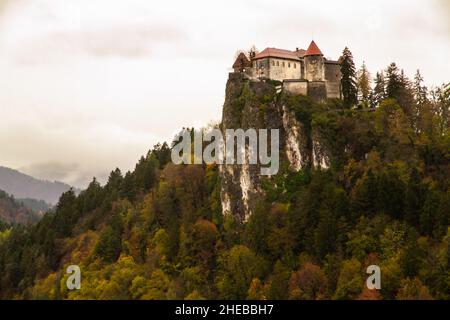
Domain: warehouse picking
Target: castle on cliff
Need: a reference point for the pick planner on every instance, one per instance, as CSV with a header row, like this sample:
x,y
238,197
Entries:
x,y
301,71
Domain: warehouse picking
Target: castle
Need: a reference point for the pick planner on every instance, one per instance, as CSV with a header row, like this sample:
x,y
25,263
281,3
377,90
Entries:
x,y
305,72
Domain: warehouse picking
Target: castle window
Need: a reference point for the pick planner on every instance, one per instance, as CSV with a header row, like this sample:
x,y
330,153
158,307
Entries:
x,y
289,64
273,62
283,63
295,65
278,63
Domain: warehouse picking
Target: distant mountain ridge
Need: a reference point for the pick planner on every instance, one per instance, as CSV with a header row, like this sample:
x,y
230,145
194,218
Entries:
x,y
23,186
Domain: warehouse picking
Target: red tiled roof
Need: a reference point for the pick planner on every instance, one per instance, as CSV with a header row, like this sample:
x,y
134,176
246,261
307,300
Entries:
x,y
313,50
277,53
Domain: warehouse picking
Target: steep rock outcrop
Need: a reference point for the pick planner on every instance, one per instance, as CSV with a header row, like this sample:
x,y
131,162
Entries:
x,y
247,105
251,104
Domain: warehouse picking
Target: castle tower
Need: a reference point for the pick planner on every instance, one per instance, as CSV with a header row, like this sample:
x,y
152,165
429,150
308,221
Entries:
x,y
314,63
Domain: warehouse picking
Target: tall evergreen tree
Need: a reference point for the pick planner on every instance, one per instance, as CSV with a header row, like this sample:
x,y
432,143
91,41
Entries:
x,y
348,80
406,98
363,85
399,87
128,187
420,91
67,214
162,153
114,182
393,81
441,107
378,93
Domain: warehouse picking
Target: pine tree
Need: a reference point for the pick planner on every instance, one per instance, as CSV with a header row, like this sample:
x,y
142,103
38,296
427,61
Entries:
x,y
394,83
109,245
67,214
406,97
326,233
92,197
364,85
363,195
114,182
378,93
348,80
128,187
440,99
399,87
420,97
413,197
390,194
420,91
444,113
429,211
162,153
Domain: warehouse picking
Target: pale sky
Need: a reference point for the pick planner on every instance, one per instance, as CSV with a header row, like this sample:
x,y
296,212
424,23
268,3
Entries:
x,y
90,85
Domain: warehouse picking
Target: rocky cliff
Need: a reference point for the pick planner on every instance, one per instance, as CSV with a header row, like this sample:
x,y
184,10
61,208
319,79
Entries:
x,y
251,104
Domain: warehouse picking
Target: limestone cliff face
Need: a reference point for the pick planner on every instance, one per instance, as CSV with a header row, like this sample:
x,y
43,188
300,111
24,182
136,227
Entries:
x,y
261,105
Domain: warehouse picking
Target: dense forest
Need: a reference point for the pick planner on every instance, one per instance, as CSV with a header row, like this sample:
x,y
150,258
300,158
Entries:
x,y
158,232
13,211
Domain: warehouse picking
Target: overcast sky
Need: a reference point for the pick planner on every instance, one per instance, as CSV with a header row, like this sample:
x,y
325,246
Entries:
x,y
90,85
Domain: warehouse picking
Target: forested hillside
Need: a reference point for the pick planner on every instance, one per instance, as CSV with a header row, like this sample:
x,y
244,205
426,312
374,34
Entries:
x,y
158,232
23,186
35,205
14,212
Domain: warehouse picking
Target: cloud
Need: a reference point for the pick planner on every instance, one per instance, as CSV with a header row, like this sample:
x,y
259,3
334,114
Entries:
x,y
128,41
43,31
53,170
71,173
4,4
444,9
73,153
